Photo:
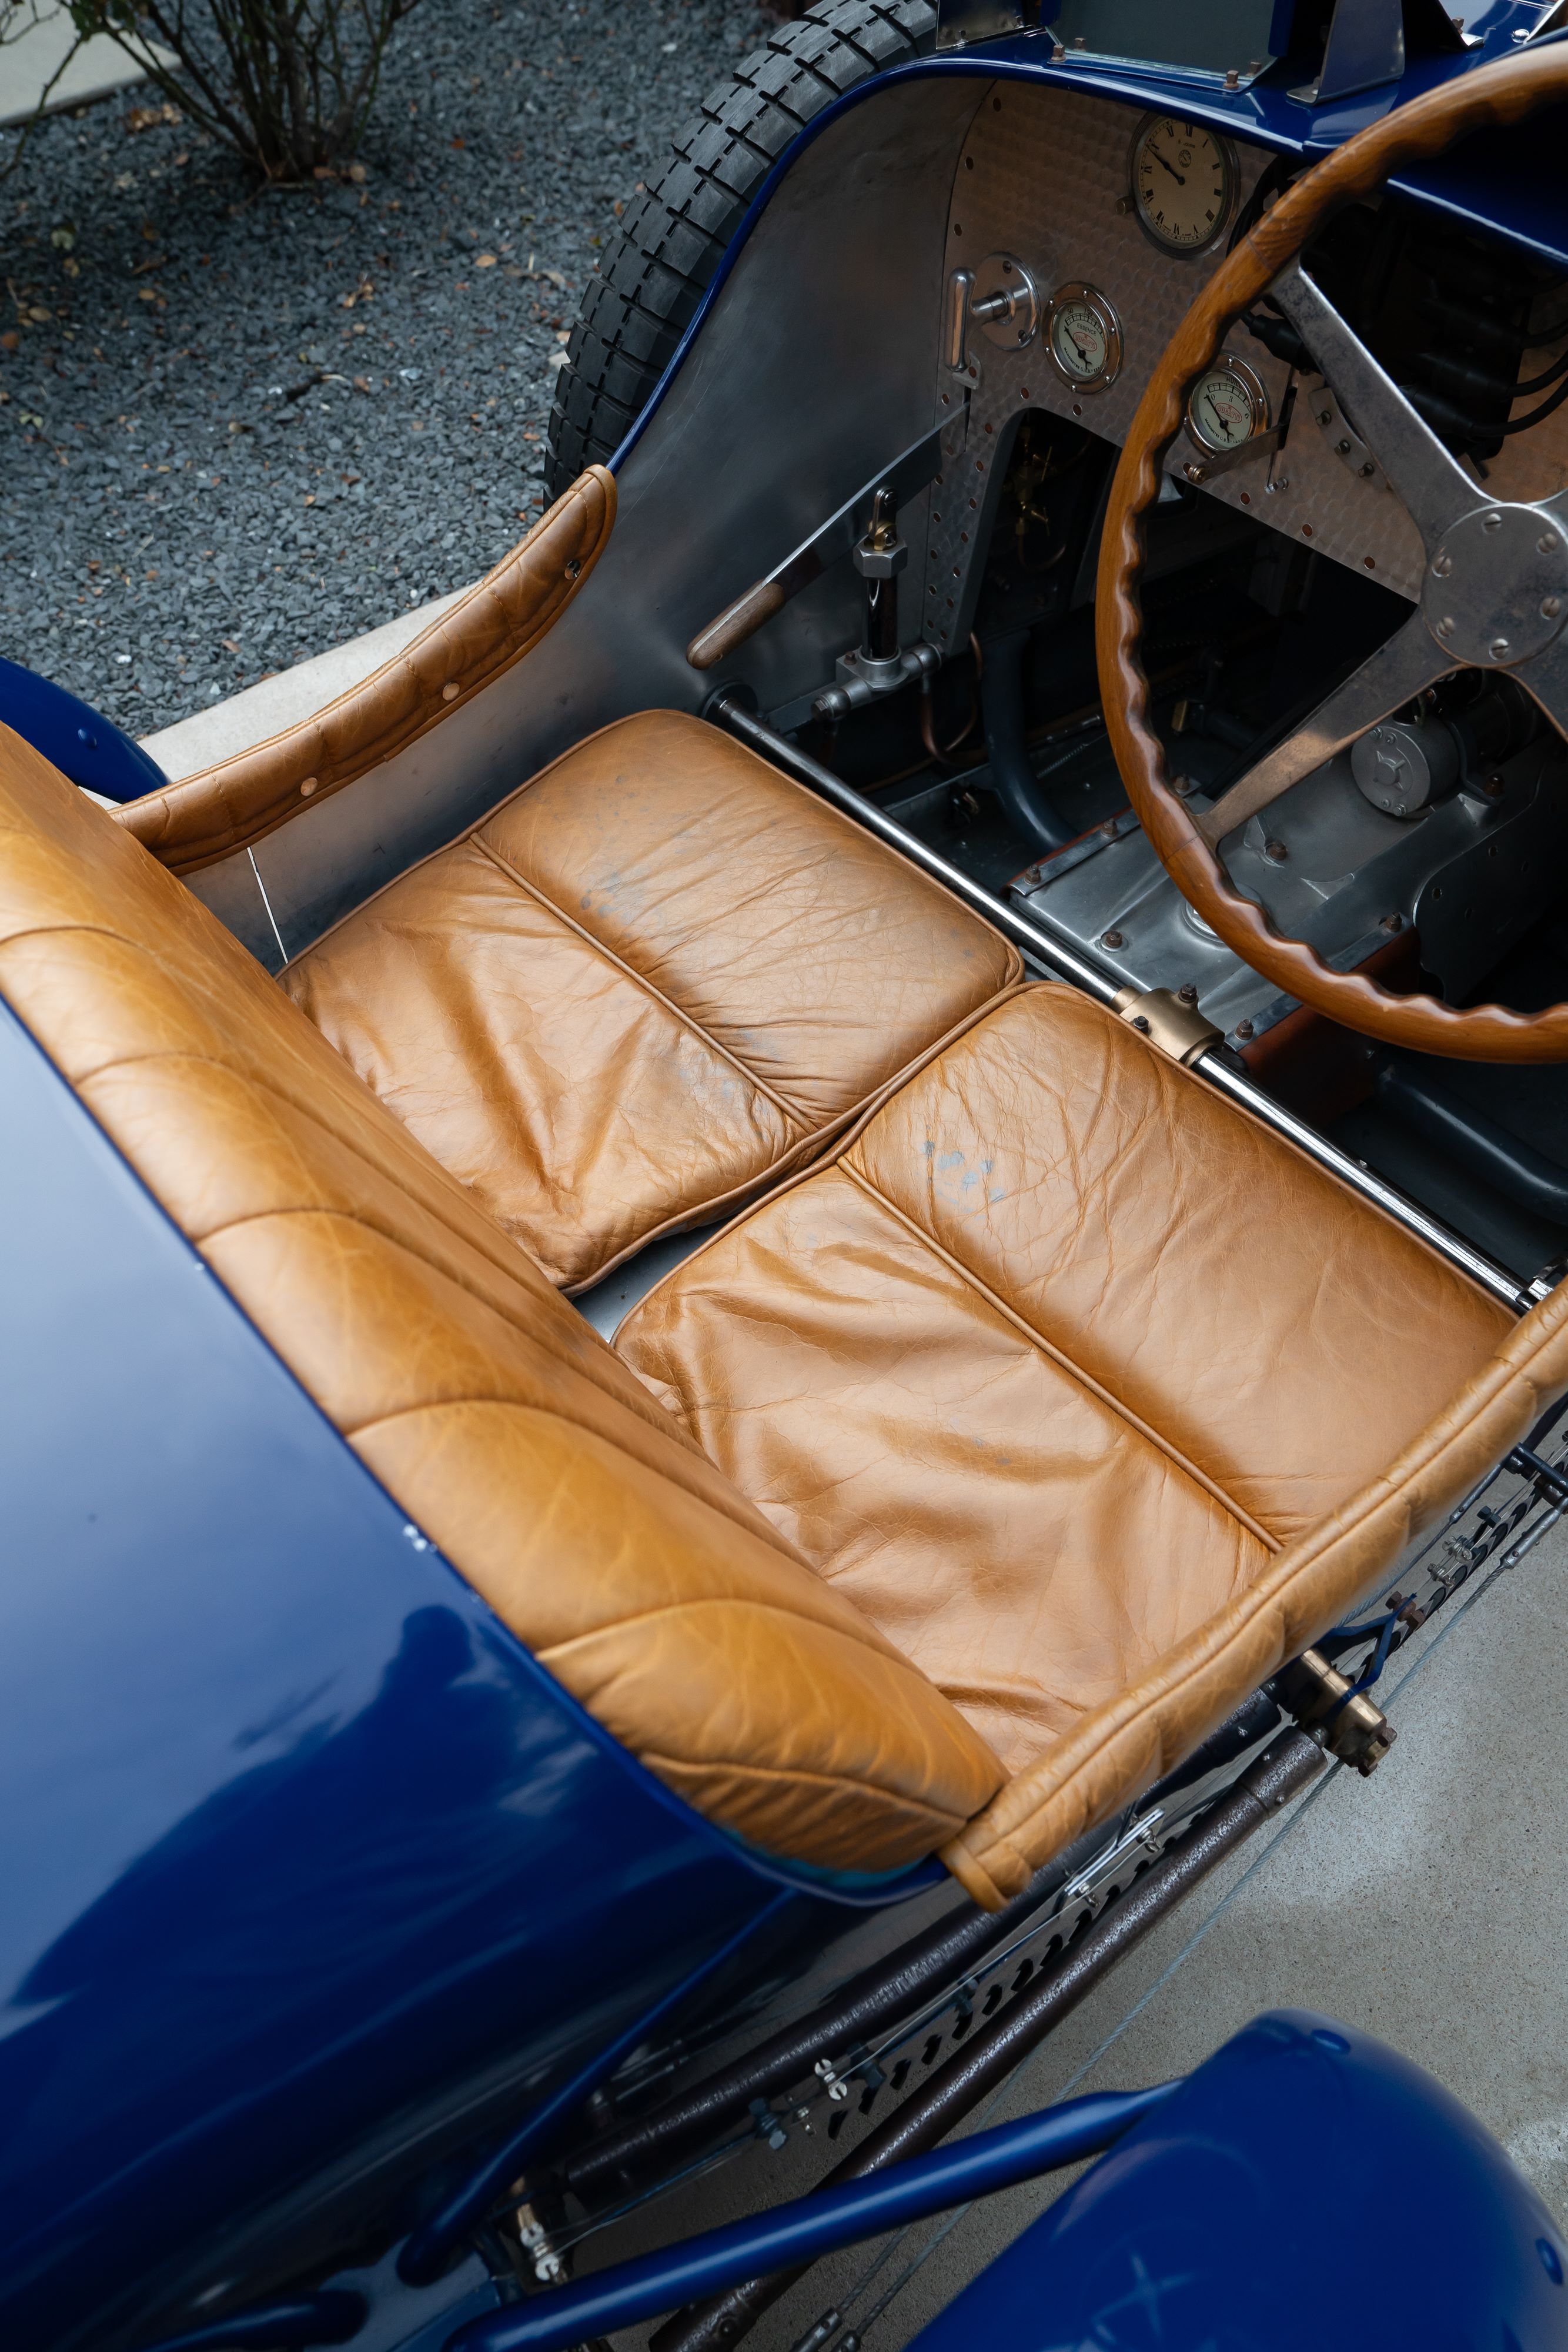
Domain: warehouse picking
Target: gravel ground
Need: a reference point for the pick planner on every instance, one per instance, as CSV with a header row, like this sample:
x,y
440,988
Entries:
x,y
239,425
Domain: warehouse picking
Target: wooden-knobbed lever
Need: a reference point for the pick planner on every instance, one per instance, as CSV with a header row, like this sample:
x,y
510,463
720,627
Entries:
x,y
737,623
905,477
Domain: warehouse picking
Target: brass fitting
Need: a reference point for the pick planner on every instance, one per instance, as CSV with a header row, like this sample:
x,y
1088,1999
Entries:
x,y
1177,1029
1318,1696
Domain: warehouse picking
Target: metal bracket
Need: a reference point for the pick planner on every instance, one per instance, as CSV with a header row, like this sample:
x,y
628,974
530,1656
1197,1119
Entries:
x,y
1365,48
959,22
1319,1698
1177,1029
1210,462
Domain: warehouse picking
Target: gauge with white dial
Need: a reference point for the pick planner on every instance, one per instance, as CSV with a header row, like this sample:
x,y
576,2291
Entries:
x,y
1084,336
1227,405
1183,182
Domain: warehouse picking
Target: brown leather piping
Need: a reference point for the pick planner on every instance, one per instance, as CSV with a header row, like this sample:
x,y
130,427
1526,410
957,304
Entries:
x,y
239,800
1489,98
814,1141
1041,1810
1037,1339
785,1110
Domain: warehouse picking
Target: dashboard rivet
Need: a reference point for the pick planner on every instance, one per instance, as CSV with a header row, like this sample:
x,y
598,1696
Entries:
x,y
1549,607
1343,447
1547,542
1446,628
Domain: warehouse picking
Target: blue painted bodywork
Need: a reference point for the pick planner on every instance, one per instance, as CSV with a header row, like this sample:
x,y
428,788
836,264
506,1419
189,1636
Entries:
x,y
321,1899
1306,2182
312,1875
78,740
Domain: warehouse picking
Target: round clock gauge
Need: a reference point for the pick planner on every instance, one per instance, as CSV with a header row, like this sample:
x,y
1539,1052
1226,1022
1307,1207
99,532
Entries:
x,y
1183,182
1227,405
1083,337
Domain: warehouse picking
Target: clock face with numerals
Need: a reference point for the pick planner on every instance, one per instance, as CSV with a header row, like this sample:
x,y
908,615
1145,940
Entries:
x,y
1184,181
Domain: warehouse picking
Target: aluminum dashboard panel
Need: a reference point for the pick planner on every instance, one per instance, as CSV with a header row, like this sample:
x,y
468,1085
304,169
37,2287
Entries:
x,y
1044,175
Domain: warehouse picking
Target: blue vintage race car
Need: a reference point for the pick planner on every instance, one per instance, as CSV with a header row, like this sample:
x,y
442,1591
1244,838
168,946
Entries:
x,y
984,893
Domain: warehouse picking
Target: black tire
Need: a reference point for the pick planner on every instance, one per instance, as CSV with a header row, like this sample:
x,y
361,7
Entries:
x,y
637,307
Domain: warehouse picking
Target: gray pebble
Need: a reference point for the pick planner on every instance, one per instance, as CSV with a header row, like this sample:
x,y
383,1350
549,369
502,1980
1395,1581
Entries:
x,y
173,525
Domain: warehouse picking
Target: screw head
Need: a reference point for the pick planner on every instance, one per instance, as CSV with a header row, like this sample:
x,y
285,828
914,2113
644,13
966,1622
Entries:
x,y
1111,939
1491,523
1140,1021
1392,922
1188,993
1497,648
1549,607
1446,628
1547,542
1276,851
1343,448
1442,563
1493,788
1244,1029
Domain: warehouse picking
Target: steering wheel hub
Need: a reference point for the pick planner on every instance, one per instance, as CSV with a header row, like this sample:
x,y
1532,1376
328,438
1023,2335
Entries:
x,y
1496,590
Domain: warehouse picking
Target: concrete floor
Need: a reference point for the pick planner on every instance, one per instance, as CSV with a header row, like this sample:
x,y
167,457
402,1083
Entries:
x,y
1428,1904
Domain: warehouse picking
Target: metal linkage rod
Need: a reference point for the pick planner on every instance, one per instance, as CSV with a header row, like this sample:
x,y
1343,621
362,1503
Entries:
x,y
997,2050
870,2002
1221,1070
812,2226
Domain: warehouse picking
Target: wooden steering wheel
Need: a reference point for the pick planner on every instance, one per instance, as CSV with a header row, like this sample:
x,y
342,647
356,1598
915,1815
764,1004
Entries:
x,y
1494,587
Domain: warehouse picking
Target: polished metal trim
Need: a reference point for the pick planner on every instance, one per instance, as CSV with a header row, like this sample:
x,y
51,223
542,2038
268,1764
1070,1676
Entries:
x,y
1217,1065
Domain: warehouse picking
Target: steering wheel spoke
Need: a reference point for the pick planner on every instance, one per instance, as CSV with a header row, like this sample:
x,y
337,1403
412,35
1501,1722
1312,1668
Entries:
x,y
1546,680
1424,474
1399,670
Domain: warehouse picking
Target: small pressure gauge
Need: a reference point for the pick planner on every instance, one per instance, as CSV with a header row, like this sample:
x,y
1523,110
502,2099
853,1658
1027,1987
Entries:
x,y
1183,184
1084,336
1226,406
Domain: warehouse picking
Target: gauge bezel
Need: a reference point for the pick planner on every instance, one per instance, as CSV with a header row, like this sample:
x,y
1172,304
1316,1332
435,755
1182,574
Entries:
x,y
1231,163
1078,289
1257,393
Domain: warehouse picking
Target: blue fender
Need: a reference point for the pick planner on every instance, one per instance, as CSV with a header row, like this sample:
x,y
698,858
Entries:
x,y
76,739
1306,2183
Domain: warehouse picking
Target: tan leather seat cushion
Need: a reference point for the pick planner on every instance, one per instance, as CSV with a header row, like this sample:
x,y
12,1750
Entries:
x,y
659,975
486,1406
1052,1358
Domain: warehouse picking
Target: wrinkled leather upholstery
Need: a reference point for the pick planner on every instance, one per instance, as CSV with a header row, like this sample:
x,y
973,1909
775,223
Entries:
x,y
659,975
1046,1370
242,799
492,1413
1092,1401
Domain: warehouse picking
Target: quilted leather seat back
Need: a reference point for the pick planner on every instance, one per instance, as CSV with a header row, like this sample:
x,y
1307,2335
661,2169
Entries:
x,y
540,1466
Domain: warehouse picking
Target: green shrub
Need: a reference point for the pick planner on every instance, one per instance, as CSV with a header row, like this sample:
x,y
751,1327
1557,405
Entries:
x,y
289,83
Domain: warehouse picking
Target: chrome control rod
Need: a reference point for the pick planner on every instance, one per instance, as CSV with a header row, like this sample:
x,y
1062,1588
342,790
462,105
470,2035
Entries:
x,y
1217,1063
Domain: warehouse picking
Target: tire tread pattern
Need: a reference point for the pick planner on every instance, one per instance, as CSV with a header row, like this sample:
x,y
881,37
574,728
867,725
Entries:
x,y
639,302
